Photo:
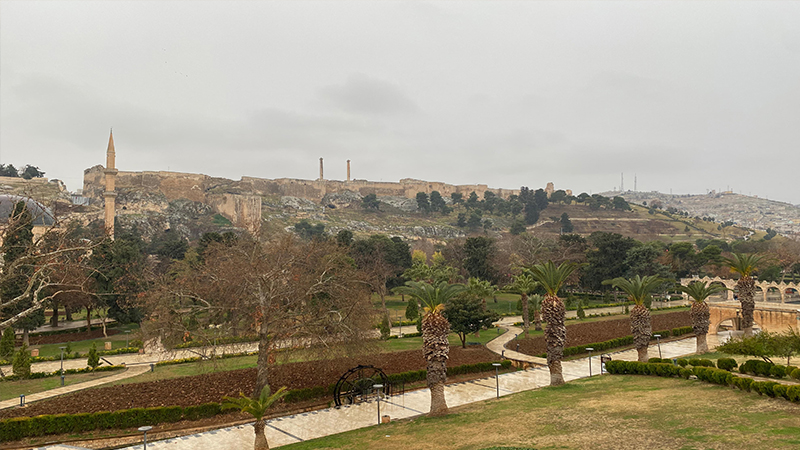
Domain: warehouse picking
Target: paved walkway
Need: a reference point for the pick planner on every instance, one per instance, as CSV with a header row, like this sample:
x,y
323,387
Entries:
x,y
311,425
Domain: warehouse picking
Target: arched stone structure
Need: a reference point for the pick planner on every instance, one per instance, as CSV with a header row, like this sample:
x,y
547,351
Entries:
x,y
761,296
773,318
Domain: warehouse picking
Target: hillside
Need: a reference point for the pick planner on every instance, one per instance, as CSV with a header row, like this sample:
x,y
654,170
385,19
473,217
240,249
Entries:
x,y
743,210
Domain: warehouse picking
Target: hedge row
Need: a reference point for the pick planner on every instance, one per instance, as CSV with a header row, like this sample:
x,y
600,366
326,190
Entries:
x,y
768,369
220,341
199,358
37,375
708,374
76,355
73,330
22,427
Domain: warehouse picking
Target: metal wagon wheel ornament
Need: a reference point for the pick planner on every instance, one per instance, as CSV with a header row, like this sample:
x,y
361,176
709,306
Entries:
x,y
355,386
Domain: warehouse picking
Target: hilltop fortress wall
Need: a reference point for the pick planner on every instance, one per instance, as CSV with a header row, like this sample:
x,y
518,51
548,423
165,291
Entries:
x,y
240,201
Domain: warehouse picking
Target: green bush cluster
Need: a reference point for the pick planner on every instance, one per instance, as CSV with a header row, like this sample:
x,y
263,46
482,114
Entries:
x,y
698,362
680,331
767,369
708,374
795,374
599,346
198,358
22,427
76,355
660,360
727,364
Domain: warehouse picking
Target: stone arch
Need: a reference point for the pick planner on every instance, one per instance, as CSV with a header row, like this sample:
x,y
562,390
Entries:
x,y
760,293
773,294
722,296
791,295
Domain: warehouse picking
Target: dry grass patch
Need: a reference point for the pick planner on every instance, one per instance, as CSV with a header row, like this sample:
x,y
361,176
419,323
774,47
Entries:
x,y
610,412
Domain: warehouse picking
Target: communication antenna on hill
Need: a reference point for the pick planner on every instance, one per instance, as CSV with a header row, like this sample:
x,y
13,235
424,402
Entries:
x,y
634,182
622,182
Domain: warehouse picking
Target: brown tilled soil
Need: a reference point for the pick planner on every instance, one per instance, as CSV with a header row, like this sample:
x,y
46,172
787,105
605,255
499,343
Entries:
x,y
591,332
199,389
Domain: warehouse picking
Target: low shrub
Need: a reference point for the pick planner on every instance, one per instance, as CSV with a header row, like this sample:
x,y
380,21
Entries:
x,y
683,362
680,331
697,362
777,371
756,367
795,374
726,364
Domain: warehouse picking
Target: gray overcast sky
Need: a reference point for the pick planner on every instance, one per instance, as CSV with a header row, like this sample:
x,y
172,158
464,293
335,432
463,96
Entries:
x,y
689,96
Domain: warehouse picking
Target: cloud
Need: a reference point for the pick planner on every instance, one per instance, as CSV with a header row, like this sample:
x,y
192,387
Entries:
x,y
364,95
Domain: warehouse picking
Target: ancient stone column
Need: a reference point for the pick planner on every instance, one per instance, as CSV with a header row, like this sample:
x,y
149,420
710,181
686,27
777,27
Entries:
x,y
320,170
348,170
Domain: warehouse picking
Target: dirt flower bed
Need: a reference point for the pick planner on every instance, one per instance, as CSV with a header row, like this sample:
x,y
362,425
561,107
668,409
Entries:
x,y
590,332
199,389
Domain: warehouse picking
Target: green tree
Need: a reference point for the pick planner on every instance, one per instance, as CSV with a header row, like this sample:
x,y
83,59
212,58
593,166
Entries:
x,y
7,343
620,204
699,292
639,290
474,221
524,285
93,358
580,313
744,265
479,253
168,245
308,231
370,201
28,172
412,309
423,204
552,278
437,202
435,328
518,227
8,171
531,213
256,407
17,244
344,238
472,200
461,222
457,198
541,200
468,314
566,224
764,345
385,327
21,364
607,259
118,274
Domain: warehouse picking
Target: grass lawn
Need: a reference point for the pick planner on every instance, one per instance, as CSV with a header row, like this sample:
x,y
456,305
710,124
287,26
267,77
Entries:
x,y
609,412
13,389
117,341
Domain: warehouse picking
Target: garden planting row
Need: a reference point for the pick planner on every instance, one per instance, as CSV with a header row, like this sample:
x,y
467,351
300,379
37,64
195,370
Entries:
x,y
710,374
591,333
212,387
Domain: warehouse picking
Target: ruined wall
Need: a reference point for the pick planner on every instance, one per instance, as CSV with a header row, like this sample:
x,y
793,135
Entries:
x,y
239,201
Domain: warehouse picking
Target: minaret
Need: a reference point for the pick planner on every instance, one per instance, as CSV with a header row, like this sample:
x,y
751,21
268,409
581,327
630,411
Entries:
x,y
109,195
348,170
320,170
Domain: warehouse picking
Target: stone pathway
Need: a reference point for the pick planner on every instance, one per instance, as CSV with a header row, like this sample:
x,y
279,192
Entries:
x,y
311,425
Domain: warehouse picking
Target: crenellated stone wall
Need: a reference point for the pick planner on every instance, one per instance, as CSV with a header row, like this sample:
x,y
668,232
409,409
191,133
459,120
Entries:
x,y
240,202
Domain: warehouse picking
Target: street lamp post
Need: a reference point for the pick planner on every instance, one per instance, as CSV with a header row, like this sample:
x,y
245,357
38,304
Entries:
x,y
62,364
145,430
379,388
590,350
496,377
658,341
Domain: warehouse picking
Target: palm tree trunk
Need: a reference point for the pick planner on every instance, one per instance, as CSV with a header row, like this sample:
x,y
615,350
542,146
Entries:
x,y
261,437
746,287
436,350
526,322
700,315
537,319
641,330
555,335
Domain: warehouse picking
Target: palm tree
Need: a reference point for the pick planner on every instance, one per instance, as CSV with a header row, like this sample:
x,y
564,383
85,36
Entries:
x,y
480,289
639,290
552,278
744,265
524,285
699,291
257,407
435,328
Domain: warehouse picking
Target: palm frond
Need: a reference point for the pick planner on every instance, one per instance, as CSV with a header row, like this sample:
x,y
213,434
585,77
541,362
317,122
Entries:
x,y
699,291
638,288
743,263
552,277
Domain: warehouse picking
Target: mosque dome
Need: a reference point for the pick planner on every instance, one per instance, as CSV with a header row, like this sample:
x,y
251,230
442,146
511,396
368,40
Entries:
x,y
41,214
